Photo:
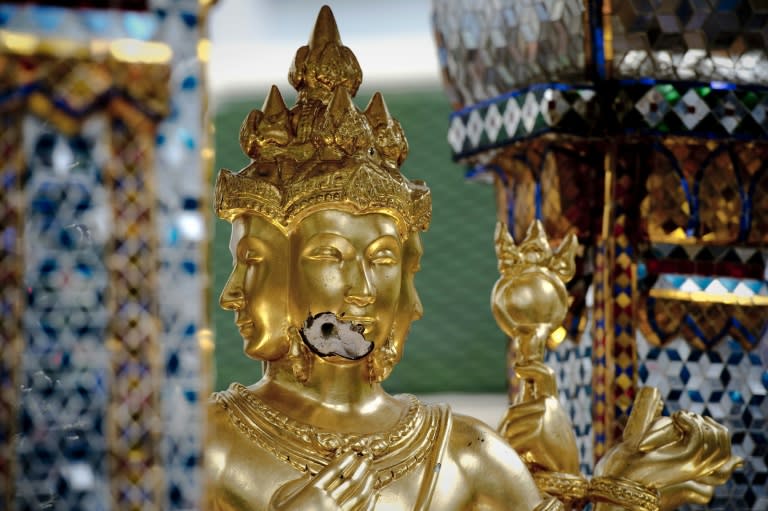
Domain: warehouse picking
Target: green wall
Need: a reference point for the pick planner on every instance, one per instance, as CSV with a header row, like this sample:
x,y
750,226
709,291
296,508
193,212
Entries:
x,y
457,346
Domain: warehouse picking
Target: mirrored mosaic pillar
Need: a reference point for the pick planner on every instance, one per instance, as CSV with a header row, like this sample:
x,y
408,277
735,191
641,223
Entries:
x,y
104,343
642,128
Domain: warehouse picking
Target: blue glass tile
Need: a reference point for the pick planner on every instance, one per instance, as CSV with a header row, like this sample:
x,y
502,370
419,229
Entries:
x,y
6,13
702,282
189,19
97,21
140,25
173,236
189,83
175,495
675,279
685,375
186,138
736,396
729,283
189,266
47,18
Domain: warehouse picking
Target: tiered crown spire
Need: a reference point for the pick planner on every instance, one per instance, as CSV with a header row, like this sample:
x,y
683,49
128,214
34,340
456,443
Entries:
x,y
323,150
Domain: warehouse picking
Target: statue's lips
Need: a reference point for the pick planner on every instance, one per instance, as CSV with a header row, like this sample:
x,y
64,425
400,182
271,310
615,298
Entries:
x,y
327,334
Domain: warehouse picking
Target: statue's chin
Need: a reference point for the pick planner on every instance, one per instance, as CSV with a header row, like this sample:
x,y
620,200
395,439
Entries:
x,y
335,339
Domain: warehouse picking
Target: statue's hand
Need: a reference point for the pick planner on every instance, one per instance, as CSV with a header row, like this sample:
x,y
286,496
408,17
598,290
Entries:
x,y
345,484
537,427
683,456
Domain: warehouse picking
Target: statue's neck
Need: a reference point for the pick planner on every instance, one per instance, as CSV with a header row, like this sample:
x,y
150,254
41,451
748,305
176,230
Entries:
x,y
337,397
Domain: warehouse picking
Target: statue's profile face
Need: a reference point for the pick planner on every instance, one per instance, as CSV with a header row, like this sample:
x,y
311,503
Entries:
x,y
347,264
410,308
257,287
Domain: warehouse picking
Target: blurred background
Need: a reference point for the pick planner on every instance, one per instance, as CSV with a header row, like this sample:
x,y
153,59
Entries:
x,y
456,347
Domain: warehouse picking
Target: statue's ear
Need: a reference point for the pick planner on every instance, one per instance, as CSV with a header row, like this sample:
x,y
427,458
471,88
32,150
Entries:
x,y
563,260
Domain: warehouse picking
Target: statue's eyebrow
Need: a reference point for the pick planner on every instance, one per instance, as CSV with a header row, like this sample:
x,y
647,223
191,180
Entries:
x,y
386,238
327,238
250,242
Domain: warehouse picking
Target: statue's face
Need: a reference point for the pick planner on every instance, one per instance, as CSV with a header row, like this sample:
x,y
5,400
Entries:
x,y
257,287
347,264
410,308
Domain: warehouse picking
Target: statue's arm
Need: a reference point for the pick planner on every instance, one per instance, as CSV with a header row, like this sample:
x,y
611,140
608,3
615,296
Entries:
x,y
499,478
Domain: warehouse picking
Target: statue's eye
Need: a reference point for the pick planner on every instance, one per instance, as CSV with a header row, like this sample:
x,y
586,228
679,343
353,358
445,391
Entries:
x,y
325,253
384,257
252,257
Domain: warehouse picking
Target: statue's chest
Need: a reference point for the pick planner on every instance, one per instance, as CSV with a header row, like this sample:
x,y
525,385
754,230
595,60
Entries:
x,y
251,479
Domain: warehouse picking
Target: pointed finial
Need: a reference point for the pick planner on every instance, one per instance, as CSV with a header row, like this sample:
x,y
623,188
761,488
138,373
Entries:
x,y
390,139
274,104
564,259
507,253
377,111
341,105
325,30
324,63
535,247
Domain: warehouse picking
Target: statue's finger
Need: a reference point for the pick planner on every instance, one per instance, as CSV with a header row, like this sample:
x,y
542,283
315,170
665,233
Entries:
x,y
644,410
516,411
368,503
522,429
332,474
689,492
723,473
353,481
541,376
362,495
662,432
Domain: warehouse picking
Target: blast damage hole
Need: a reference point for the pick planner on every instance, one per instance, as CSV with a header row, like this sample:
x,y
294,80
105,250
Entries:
x,y
329,330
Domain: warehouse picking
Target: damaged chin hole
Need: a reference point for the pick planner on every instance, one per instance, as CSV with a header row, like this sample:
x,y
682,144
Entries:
x,y
329,330
327,334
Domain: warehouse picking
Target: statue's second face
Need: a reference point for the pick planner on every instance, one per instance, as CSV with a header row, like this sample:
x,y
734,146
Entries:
x,y
256,289
349,265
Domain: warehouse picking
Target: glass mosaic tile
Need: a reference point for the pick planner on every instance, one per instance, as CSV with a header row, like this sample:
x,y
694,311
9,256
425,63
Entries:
x,y
70,227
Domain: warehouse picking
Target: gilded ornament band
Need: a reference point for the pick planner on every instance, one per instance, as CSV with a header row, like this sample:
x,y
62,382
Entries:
x,y
625,493
566,487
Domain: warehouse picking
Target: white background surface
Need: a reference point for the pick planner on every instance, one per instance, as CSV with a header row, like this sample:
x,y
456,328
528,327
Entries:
x,y
254,41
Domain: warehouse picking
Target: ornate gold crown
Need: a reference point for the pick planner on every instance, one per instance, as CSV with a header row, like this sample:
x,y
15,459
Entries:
x,y
324,150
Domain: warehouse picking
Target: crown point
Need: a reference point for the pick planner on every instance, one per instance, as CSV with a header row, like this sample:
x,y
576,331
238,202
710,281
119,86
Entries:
x,y
341,104
274,104
325,30
377,111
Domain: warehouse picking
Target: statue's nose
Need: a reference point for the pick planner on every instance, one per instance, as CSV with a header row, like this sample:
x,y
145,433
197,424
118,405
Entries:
x,y
361,291
232,298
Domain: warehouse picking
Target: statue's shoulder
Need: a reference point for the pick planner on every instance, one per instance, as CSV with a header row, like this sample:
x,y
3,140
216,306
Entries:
x,y
489,463
220,402
225,411
470,434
